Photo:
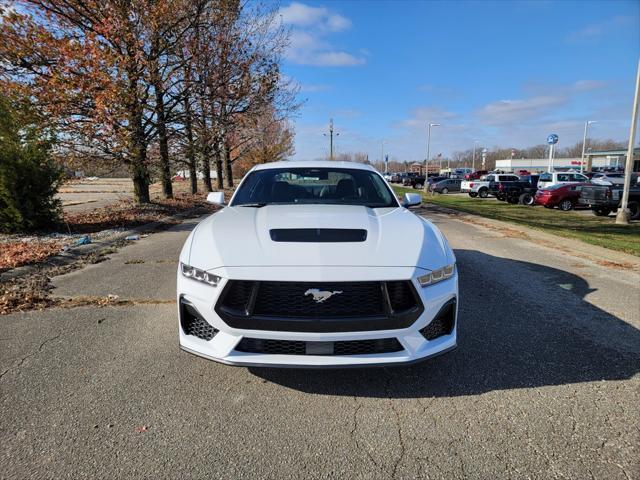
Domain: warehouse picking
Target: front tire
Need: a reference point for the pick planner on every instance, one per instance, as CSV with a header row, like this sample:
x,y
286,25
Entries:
x,y
418,186
483,193
473,194
565,205
601,211
500,197
445,190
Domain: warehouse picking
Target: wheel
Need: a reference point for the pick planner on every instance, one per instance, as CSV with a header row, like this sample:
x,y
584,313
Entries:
x,y
473,194
601,211
500,197
565,205
418,186
483,192
445,190
512,200
526,199
634,210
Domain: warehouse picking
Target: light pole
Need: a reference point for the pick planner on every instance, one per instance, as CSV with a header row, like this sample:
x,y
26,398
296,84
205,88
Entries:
x,y
382,156
473,161
426,176
584,142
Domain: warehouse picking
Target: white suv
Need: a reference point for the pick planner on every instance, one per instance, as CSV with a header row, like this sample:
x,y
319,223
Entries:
x,y
548,179
316,264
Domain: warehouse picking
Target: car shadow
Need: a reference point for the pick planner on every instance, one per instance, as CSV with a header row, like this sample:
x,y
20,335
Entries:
x,y
521,325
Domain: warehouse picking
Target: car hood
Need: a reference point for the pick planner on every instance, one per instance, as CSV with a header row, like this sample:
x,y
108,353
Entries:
x,y
240,236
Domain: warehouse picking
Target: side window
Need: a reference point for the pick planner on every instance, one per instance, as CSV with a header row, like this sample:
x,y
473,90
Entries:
x,y
564,177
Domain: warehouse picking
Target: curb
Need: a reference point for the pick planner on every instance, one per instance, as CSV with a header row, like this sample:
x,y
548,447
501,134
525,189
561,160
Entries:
x,y
72,254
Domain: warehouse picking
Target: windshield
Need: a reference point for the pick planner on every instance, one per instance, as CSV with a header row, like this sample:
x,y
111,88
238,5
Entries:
x,y
324,186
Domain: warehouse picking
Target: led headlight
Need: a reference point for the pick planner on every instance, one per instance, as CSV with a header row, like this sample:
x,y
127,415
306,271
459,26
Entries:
x,y
436,276
199,275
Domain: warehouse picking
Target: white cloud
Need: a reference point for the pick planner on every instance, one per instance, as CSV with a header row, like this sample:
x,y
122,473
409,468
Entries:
x,y
509,111
595,31
301,15
588,85
308,42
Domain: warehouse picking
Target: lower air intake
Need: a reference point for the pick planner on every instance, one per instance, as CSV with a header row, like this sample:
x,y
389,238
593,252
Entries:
x,y
297,347
443,323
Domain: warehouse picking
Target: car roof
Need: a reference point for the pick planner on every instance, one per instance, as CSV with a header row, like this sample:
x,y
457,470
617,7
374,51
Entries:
x,y
314,164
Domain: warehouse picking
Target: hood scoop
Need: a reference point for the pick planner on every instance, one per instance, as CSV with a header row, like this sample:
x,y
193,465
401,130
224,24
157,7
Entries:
x,y
318,235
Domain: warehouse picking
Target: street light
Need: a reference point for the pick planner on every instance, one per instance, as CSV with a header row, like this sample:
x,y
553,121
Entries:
x,y
584,142
473,161
382,150
426,176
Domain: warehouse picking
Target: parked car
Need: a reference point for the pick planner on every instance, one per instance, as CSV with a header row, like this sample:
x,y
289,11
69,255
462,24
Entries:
x,y
401,177
564,196
520,191
388,176
475,175
554,178
446,186
296,288
416,181
480,188
604,199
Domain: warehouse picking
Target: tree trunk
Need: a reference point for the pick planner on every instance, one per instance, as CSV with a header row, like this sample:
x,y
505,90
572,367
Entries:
x,y
191,154
228,173
138,150
165,166
218,162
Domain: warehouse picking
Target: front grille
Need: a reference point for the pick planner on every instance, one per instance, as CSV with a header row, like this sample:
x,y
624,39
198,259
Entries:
x,y
319,306
443,323
296,347
193,324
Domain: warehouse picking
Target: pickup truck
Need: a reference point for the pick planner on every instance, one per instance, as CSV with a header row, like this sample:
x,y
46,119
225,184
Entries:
x,y
415,181
604,199
520,191
480,188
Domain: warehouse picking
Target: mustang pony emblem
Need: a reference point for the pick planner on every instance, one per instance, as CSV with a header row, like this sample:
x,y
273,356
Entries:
x,y
321,295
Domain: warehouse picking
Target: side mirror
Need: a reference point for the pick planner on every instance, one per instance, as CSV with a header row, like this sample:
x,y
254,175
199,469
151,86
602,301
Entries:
x,y
216,198
412,200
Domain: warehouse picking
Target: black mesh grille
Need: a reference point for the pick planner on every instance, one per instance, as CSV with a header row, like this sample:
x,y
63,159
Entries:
x,y
442,324
319,306
400,295
295,347
193,324
297,300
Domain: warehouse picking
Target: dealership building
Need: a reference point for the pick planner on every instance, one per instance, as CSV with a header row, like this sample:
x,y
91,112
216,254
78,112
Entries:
x,y
603,158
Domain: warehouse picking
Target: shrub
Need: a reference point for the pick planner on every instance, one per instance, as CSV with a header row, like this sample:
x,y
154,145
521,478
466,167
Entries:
x,y
29,179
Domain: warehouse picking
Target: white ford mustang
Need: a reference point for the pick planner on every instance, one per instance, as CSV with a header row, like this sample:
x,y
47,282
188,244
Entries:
x,y
316,264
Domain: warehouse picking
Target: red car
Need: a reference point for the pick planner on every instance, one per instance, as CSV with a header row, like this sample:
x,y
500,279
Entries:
x,y
564,196
475,175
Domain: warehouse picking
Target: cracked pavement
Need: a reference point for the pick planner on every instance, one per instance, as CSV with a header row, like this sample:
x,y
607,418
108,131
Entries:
x,y
544,384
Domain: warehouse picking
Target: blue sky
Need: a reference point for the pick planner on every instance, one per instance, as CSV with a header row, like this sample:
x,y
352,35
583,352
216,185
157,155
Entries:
x,y
504,73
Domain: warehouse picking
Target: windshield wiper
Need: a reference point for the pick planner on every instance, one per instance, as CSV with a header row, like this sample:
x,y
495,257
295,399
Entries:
x,y
254,205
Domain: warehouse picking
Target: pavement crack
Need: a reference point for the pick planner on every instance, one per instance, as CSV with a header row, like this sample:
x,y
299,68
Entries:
x,y
398,422
32,354
354,435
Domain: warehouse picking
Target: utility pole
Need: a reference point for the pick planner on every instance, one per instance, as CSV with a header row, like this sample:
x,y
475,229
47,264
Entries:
x,y
382,157
584,142
623,213
330,138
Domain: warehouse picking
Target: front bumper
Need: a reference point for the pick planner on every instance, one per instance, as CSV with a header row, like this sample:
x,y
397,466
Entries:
x,y
413,346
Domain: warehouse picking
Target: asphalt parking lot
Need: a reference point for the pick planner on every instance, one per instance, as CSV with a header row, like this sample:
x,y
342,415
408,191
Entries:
x,y
544,384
